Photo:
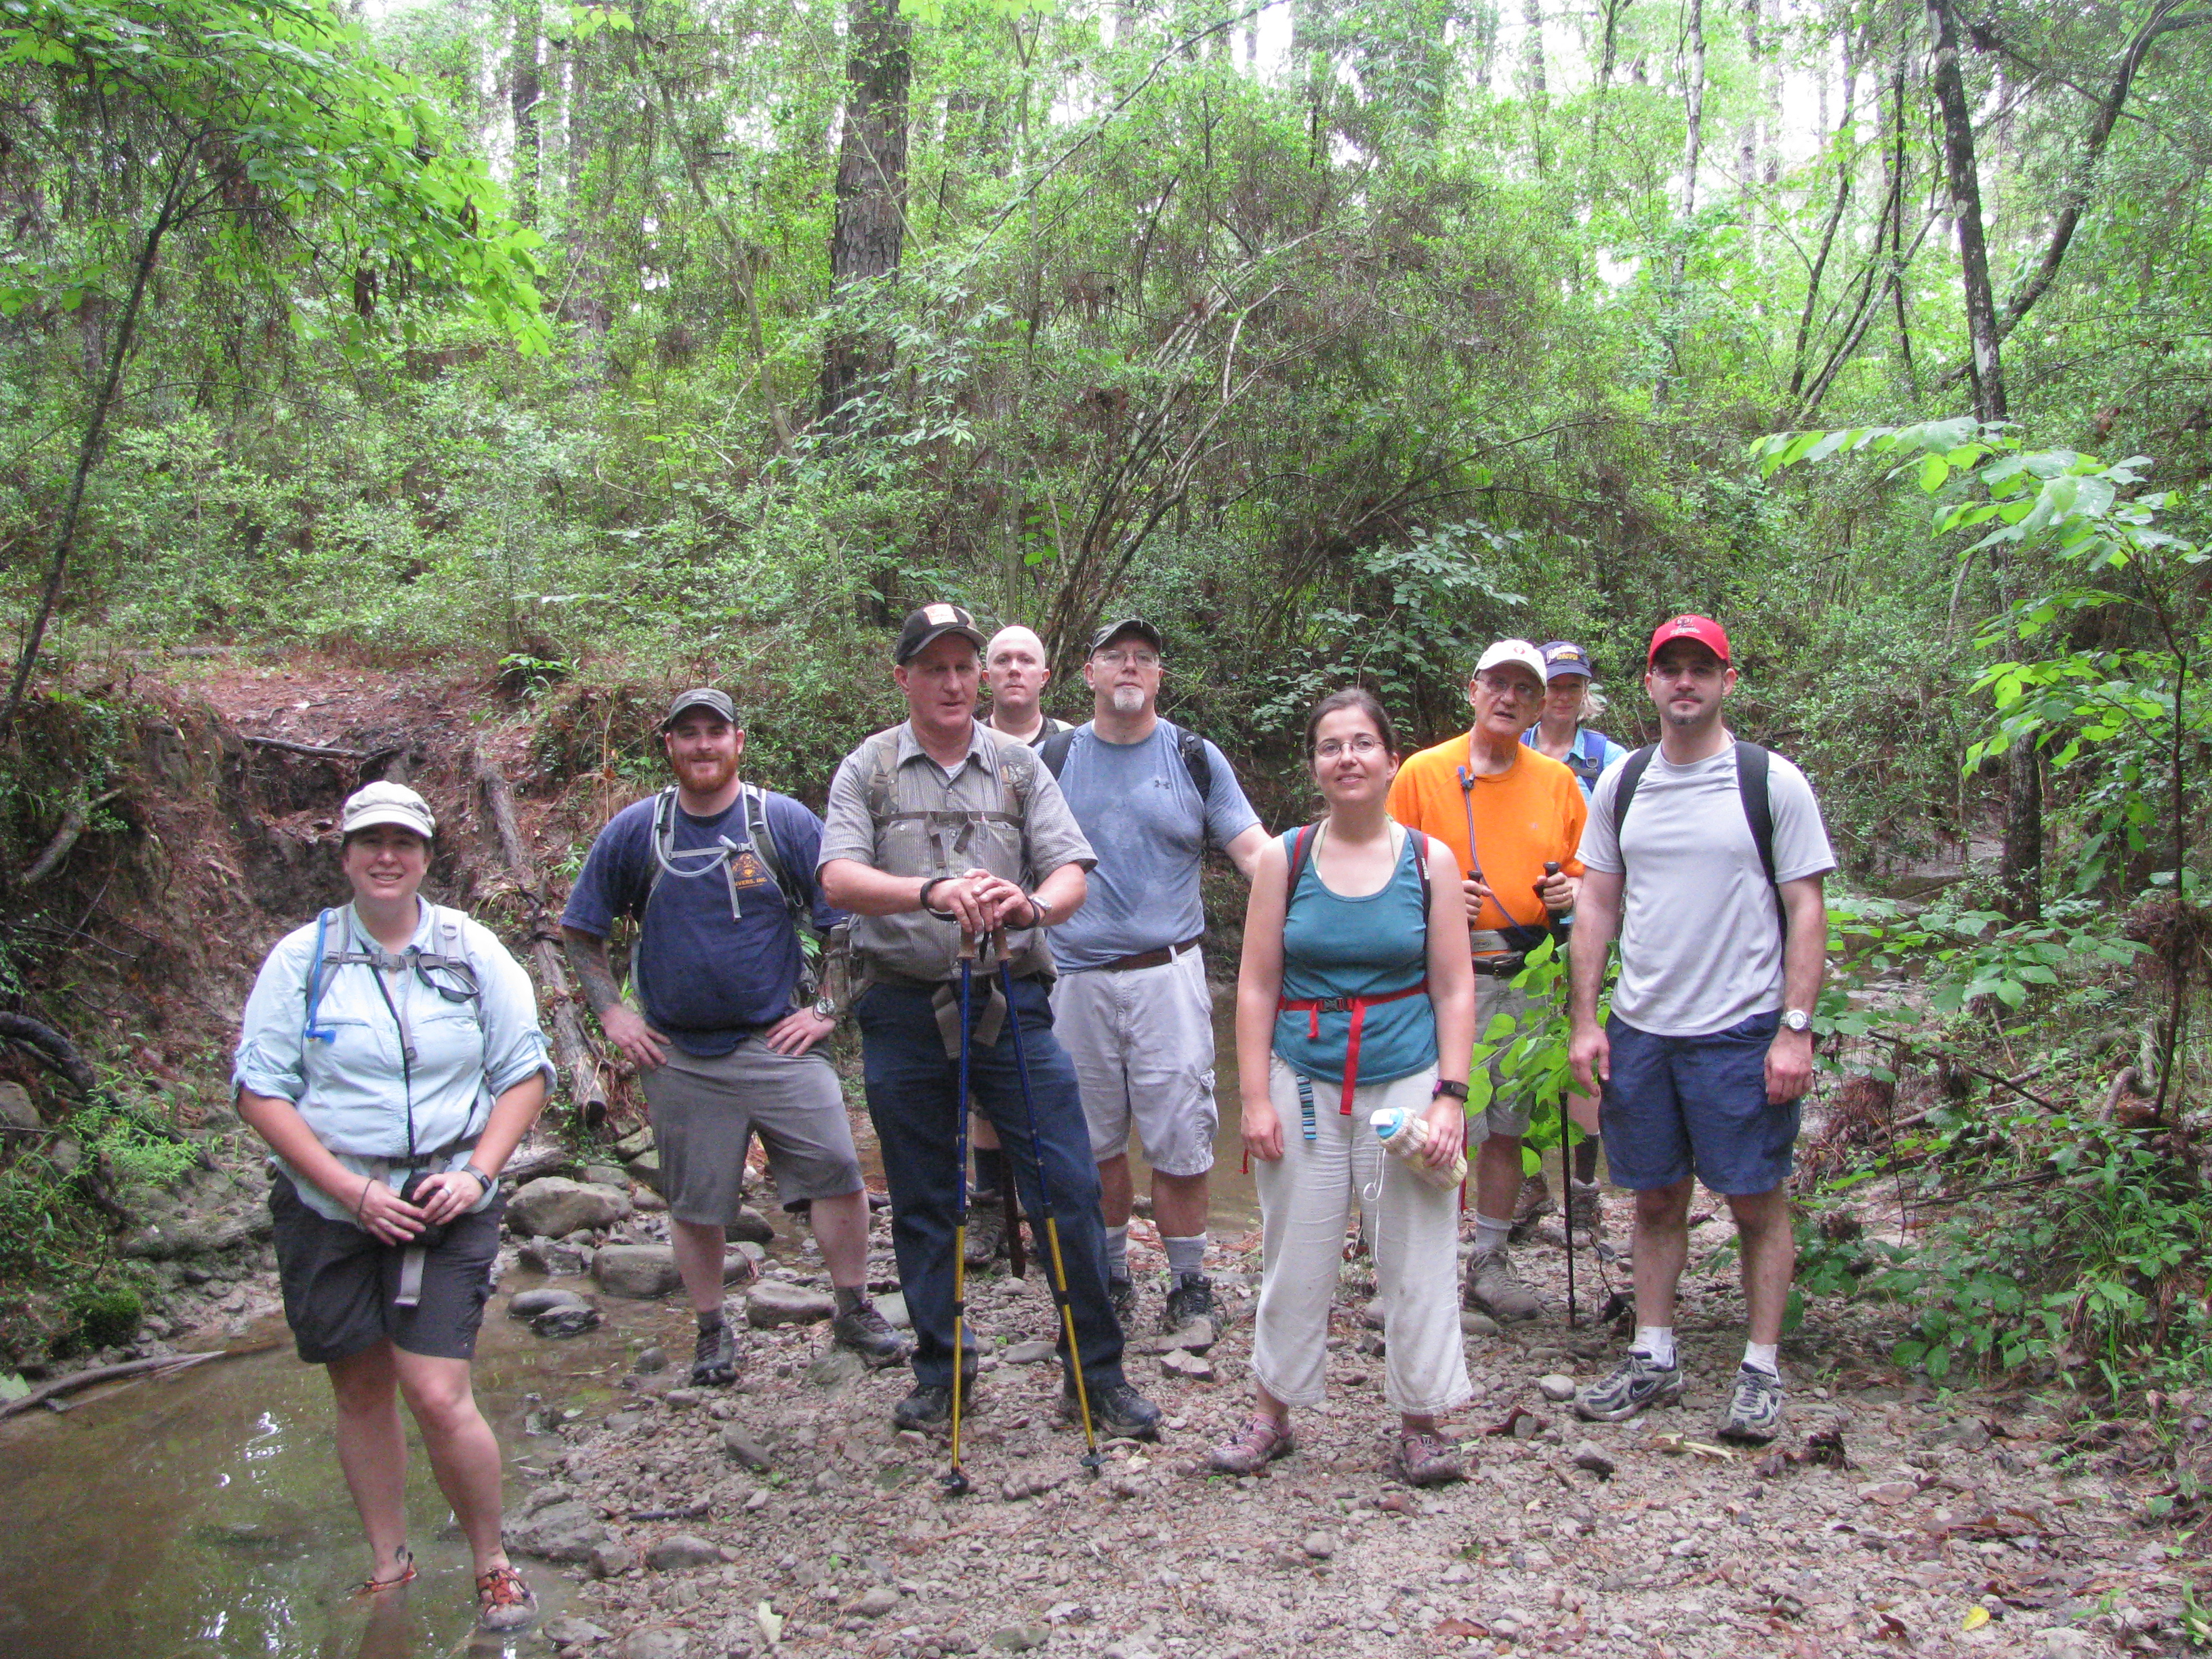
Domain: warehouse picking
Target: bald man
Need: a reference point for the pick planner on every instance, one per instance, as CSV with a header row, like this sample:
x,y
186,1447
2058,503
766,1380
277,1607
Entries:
x,y
1015,668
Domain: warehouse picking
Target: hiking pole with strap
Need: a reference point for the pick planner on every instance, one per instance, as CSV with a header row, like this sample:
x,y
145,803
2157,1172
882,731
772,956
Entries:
x,y
955,1479
1017,1260
1566,1151
1093,1459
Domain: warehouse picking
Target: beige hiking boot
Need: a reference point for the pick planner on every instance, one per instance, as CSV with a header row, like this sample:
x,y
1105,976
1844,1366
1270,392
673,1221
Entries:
x,y
1586,1212
1494,1288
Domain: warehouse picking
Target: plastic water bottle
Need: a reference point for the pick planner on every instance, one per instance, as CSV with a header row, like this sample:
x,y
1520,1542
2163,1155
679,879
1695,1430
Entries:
x,y
1405,1134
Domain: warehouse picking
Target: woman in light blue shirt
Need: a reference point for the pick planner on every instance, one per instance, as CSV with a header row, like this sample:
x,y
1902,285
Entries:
x,y
392,1058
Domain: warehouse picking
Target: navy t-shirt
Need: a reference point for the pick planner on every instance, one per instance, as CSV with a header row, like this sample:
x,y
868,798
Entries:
x,y
707,979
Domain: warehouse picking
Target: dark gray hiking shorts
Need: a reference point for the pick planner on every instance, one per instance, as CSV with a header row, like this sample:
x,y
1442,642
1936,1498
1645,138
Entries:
x,y
705,1107
339,1283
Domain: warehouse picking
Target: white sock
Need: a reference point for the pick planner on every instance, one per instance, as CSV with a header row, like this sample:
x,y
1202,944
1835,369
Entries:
x,y
1117,1252
1657,1341
1490,1234
1760,1356
1185,1255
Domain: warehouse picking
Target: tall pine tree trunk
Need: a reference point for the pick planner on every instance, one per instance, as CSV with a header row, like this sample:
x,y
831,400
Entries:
x,y
870,224
2021,871
526,91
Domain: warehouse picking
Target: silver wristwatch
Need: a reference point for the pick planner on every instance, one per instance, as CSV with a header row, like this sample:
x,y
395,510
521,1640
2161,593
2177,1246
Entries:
x,y
825,1008
1796,1019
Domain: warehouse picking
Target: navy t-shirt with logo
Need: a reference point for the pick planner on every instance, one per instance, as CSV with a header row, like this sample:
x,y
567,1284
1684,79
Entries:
x,y
707,979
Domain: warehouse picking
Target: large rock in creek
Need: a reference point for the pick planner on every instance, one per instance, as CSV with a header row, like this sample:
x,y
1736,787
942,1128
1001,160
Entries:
x,y
567,1531
639,1272
553,1206
772,1303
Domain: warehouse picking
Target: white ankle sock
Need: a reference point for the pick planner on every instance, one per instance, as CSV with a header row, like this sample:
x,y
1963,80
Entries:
x,y
1760,1356
1657,1341
1117,1252
1490,1234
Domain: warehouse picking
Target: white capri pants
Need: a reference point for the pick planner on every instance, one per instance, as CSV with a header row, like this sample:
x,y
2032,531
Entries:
x,y
1305,1200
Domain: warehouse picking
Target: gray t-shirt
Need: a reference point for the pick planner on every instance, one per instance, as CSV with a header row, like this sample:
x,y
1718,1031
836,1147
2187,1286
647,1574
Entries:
x,y
1700,943
1142,814
941,824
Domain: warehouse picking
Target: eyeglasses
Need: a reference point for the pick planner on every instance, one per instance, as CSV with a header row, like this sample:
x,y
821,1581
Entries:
x,y
1364,745
1133,659
1507,687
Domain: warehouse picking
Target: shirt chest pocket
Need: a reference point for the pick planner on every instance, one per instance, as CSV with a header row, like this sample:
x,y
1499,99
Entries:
x,y
448,1039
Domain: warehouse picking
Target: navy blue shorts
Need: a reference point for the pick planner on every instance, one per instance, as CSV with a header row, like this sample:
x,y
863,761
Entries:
x,y
1679,1105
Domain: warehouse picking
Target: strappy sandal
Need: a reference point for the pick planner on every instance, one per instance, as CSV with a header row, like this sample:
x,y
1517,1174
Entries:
x,y
378,1586
504,1602
1260,1442
1429,1459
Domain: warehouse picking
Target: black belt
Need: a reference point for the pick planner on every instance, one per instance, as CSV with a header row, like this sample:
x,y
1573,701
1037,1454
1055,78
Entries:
x,y
1505,967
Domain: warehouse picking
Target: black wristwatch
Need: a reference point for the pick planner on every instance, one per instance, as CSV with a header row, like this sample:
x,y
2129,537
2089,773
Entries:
x,y
482,1180
927,888
1457,1091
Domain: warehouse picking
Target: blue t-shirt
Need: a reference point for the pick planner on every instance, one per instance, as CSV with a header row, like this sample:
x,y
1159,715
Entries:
x,y
1334,946
706,978
1142,815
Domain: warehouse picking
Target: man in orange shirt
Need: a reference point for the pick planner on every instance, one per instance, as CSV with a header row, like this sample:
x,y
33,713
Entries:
x,y
1506,810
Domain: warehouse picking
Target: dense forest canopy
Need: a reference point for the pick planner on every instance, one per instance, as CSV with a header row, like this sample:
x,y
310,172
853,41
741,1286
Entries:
x,y
706,338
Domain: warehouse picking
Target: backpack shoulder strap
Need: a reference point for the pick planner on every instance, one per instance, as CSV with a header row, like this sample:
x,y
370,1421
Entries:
x,y
762,834
317,979
1017,769
1195,760
1054,750
1631,774
1592,745
1422,842
1301,844
1751,769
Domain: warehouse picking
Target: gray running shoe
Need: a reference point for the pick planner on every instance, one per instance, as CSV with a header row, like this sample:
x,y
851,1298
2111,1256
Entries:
x,y
869,1335
1122,1296
1637,1381
1493,1287
1754,1409
715,1361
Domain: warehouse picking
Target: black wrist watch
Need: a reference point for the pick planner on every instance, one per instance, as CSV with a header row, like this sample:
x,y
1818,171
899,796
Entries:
x,y
928,887
1457,1091
482,1180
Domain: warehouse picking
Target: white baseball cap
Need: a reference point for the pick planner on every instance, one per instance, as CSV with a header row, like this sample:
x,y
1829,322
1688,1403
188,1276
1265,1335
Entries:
x,y
387,803
1513,651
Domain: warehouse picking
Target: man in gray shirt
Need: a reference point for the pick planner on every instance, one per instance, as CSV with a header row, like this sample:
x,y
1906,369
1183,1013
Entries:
x,y
1131,1004
939,828
1713,885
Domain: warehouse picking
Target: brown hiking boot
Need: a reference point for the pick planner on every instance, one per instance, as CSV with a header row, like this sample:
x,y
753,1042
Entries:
x,y
1536,1200
1587,1214
1494,1288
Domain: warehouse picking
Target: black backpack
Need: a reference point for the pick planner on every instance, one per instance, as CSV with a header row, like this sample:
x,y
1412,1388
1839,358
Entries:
x,y
1751,768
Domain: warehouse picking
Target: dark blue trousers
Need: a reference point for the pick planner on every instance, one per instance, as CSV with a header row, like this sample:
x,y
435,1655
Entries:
x,y
914,1099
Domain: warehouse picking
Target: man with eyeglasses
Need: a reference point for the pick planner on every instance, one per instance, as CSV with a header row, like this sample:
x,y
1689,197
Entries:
x,y
1131,1005
1508,811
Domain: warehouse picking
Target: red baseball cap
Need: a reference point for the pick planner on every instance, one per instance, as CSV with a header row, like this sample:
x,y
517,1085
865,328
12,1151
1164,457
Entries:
x,y
1703,630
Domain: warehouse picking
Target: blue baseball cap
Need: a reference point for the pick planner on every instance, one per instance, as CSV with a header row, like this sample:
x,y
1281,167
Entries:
x,y
1562,658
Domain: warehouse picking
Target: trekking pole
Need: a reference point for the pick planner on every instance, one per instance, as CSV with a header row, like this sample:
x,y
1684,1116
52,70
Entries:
x,y
1566,1151
955,1479
1093,1458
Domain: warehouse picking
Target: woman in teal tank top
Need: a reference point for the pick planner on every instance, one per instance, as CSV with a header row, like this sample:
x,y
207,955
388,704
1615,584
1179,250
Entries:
x,y
1356,995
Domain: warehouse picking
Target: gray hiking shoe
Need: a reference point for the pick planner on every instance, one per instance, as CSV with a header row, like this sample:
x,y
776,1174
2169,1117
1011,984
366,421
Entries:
x,y
1586,1212
1122,1296
1637,1381
986,1230
1754,1409
715,1360
869,1335
1191,1299
1493,1287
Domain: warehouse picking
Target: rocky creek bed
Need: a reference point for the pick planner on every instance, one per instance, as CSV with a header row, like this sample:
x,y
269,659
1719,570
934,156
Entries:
x,y
786,1515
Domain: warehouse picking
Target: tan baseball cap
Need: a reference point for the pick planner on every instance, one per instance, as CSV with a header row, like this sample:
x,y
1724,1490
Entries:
x,y
387,803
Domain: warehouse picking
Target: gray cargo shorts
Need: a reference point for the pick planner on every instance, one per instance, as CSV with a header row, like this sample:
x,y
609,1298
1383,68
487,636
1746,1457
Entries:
x,y
704,1107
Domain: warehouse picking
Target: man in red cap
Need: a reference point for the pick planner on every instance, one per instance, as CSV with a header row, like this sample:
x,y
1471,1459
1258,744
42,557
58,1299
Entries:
x,y
1713,884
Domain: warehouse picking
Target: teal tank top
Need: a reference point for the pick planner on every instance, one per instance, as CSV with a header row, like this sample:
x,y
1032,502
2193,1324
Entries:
x,y
1374,947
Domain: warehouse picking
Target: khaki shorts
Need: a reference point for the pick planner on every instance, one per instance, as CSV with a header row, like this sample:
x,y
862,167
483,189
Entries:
x,y
1142,1041
1494,997
704,1107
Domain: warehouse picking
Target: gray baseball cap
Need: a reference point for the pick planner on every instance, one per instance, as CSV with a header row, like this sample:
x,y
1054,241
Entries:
x,y
387,803
700,697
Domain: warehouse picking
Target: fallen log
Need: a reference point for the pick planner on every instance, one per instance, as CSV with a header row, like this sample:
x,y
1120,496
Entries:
x,y
579,1061
73,824
85,1379
58,1053
312,750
